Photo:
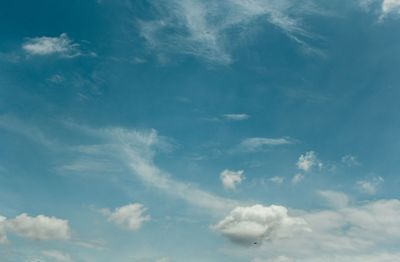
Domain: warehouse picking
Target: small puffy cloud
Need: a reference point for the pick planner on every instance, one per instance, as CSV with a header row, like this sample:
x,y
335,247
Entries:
x,y
236,117
231,178
297,178
246,225
370,187
254,144
131,216
39,228
335,199
350,160
308,160
42,46
277,180
56,255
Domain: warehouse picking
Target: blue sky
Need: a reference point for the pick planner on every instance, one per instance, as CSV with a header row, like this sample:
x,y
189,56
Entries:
x,y
235,130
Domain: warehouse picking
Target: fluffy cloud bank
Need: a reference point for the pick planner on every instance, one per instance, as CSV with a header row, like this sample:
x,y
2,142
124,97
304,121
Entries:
x,y
35,228
131,216
362,232
255,224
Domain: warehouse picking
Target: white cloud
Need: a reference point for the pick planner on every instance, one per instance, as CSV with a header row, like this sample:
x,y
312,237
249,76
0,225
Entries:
x,y
3,233
308,160
370,187
131,216
236,117
386,7
254,144
56,255
335,199
364,231
297,178
42,46
34,228
255,224
275,259
350,160
390,6
277,180
231,178
204,28
39,228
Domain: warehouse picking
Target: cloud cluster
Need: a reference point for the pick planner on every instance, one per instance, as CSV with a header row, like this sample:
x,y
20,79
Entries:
x,y
370,186
35,228
131,216
362,232
43,46
308,161
230,178
255,224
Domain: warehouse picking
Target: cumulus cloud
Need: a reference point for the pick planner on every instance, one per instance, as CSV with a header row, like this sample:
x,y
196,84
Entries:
x,y
246,225
39,228
236,117
335,199
386,7
308,161
42,46
34,228
231,178
370,187
254,144
131,216
297,178
204,28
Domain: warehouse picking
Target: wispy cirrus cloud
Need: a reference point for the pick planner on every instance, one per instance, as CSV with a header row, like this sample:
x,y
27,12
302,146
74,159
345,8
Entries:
x,y
254,144
204,28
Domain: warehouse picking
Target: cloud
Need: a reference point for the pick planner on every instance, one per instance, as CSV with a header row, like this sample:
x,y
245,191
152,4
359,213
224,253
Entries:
x,y
3,233
308,160
136,149
255,224
386,7
231,178
34,228
277,180
236,117
355,231
56,255
131,216
350,160
43,46
255,144
204,29
275,259
335,199
297,178
370,187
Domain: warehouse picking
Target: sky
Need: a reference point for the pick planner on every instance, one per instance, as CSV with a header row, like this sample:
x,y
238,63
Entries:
x,y
199,130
